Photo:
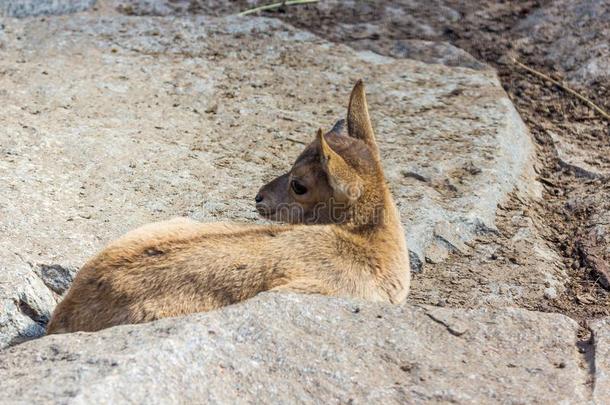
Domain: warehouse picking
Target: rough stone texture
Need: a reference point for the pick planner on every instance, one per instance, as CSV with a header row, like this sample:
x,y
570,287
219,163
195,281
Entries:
x,y
583,164
576,37
294,349
110,123
574,33
601,362
26,8
25,302
361,35
434,52
592,243
57,278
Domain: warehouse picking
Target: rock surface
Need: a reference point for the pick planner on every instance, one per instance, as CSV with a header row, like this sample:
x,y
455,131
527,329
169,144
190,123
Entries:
x,y
583,164
27,8
110,123
575,35
292,348
25,301
432,52
601,361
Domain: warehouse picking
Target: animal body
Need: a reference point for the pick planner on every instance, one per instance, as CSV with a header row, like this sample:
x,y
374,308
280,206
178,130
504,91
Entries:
x,y
343,238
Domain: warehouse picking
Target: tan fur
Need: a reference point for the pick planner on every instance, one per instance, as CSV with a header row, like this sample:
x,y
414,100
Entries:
x,y
182,266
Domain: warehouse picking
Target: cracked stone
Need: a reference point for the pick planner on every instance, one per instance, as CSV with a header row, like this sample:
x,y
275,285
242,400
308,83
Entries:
x,y
450,319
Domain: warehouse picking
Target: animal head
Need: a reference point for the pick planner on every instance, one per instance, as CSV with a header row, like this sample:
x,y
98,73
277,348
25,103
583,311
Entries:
x,y
337,178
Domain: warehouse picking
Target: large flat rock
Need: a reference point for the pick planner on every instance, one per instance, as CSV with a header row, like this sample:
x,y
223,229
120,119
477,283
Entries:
x,y
308,349
110,123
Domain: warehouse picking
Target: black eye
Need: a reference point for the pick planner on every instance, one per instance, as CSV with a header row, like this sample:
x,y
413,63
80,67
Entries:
x,y
297,187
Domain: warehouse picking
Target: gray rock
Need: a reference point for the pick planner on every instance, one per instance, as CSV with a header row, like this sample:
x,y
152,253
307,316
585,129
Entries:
x,y
27,8
436,253
601,362
294,349
572,34
575,37
162,117
435,52
550,293
451,236
57,278
25,302
575,158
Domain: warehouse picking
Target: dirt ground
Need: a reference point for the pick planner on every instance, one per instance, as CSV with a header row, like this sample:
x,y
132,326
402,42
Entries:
x,y
572,218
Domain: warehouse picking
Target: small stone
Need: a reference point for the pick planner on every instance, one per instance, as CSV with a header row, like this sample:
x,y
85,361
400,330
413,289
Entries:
x,y
436,253
448,233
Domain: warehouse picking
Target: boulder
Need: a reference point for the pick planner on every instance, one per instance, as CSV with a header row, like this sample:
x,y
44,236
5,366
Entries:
x,y
109,123
280,348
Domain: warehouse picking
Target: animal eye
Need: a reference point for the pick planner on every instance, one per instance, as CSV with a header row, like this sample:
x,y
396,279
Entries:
x,y
297,187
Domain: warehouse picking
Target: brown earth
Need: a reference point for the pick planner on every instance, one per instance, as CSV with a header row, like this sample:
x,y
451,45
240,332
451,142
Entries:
x,y
573,216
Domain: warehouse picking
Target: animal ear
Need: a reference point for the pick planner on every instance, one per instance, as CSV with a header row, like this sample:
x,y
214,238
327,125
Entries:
x,y
358,121
338,127
346,184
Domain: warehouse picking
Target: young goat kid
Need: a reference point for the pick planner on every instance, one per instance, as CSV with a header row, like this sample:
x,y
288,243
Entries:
x,y
345,239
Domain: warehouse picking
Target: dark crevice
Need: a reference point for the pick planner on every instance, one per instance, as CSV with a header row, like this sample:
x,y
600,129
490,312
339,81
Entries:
x,y
27,310
33,330
455,331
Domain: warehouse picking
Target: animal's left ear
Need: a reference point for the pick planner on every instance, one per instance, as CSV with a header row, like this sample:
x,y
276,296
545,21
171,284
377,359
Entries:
x,y
358,121
345,182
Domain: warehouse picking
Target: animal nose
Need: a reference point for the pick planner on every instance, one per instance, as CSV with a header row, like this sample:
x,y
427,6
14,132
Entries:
x,y
258,198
